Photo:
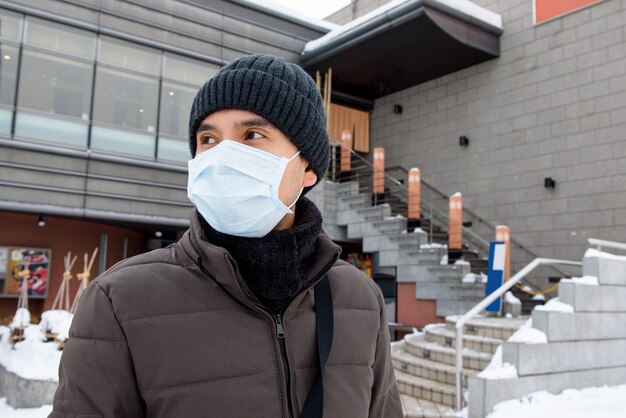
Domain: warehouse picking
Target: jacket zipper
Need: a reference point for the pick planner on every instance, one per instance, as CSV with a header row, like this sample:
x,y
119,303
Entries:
x,y
280,333
280,329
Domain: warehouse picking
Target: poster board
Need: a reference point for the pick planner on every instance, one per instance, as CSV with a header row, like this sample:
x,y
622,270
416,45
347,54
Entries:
x,y
546,10
14,259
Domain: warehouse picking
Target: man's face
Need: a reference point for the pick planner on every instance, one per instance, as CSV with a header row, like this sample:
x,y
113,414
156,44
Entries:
x,y
251,129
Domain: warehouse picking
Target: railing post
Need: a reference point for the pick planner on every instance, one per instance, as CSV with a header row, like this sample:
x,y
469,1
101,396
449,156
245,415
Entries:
x,y
414,199
455,228
503,234
345,165
379,175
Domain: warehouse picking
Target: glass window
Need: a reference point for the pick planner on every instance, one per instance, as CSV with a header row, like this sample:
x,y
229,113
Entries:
x,y
61,38
129,56
55,85
125,100
128,102
8,75
121,141
188,70
10,25
174,149
51,129
176,104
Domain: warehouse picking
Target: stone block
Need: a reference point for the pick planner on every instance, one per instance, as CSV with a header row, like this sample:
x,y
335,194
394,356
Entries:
x,y
24,393
609,271
557,357
561,326
592,298
485,394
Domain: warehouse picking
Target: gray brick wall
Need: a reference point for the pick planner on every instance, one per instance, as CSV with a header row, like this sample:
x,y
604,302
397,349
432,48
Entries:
x,y
552,105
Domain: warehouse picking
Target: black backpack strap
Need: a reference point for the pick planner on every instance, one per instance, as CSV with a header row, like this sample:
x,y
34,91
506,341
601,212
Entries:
x,y
314,404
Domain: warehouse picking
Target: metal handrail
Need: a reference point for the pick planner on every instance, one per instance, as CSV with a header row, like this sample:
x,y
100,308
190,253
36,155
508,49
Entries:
x,y
479,242
486,302
604,243
468,211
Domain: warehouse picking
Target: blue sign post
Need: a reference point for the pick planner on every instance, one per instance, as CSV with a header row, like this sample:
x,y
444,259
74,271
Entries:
x,y
495,273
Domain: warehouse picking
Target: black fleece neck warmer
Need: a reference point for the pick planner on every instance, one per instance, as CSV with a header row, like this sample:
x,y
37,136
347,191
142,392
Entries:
x,y
274,266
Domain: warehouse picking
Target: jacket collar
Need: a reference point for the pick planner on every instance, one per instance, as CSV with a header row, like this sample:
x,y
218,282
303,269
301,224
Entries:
x,y
217,263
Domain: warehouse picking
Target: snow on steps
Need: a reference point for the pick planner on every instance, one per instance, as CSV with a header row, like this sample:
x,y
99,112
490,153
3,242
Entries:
x,y
424,362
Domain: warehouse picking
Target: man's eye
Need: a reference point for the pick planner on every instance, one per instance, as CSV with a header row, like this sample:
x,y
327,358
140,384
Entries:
x,y
207,140
254,135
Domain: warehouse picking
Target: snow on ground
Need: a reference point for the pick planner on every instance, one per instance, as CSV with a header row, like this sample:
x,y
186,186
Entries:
x,y
32,358
7,412
539,296
555,305
605,402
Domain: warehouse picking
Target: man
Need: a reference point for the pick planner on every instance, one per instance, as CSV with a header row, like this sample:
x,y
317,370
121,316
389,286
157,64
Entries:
x,y
250,314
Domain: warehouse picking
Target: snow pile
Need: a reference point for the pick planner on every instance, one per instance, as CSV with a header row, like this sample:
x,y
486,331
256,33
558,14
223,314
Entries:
x,y
63,328
6,411
32,358
419,231
498,370
21,318
605,402
50,320
554,305
591,280
461,262
539,296
444,260
511,299
474,278
526,334
433,246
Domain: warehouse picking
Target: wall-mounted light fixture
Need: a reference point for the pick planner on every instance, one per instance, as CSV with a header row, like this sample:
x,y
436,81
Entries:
x,y
41,222
463,141
397,109
158,233
549,183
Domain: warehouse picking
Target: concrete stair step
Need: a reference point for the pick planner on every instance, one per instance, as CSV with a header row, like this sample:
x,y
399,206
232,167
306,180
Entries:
x,y
491,327
417,345
440,334
425,368
421,408
425,389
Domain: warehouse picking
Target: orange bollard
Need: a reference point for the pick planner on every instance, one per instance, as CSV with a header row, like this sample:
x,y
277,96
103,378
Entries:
x,y
346,142
415,178
455,228
379,170
503,234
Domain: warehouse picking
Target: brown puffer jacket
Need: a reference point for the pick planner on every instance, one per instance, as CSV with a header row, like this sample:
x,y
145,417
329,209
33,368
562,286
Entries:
x,y
173,333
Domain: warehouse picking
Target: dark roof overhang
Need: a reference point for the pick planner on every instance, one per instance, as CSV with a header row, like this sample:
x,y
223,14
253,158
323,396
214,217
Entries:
x,y
416,41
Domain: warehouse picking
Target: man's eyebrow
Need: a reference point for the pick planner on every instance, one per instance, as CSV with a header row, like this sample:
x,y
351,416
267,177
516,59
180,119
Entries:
x,y
254,122
205,127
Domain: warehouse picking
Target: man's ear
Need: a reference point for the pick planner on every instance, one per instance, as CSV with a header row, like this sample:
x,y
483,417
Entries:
x,y
309,178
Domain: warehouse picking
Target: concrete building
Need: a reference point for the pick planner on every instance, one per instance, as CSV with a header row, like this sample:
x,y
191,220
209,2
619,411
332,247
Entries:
x,y
95,97
94,107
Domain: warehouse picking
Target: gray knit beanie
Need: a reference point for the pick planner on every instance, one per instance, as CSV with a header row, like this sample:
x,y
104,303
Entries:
x,y
280,92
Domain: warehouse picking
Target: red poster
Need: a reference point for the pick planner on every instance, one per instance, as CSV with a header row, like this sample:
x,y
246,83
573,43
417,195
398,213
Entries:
x,y
545,10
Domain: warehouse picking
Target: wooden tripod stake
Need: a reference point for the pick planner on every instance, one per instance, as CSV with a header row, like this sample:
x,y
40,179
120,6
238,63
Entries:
x,y
84,278
17,333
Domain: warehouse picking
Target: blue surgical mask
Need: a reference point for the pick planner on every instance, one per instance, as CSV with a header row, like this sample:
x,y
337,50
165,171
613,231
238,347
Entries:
x,y
235,188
